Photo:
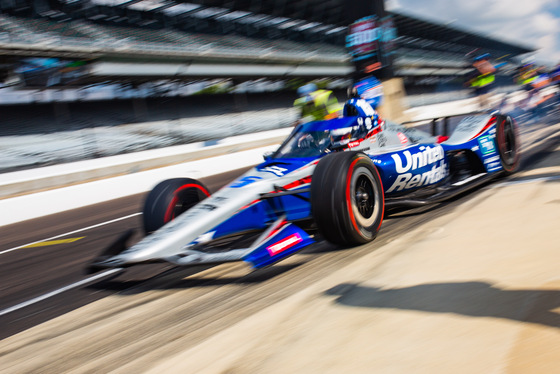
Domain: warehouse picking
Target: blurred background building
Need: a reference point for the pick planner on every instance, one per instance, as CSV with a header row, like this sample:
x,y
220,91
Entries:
x,y
46,43
69,64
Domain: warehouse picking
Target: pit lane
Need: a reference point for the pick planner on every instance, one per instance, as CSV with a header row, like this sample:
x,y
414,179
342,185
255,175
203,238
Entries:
x,y
198,301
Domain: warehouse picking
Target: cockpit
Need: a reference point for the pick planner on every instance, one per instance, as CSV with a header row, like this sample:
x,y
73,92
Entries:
x,y
314,139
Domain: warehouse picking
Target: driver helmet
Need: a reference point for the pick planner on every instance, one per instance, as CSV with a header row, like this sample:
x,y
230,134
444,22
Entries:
x,y
361,108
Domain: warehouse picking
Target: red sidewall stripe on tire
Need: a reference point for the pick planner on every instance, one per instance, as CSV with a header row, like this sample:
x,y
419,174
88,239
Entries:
x,y
349,201
382,199
169,212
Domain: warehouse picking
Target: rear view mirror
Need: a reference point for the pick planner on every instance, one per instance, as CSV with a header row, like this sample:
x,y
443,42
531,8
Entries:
x,y
268,155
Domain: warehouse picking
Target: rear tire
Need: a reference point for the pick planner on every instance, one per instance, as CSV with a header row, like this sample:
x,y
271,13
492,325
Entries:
x,y
507,142
169,199
347,199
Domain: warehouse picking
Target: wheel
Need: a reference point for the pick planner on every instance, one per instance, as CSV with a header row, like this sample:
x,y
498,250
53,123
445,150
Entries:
x,y
507,143
170,198
347,200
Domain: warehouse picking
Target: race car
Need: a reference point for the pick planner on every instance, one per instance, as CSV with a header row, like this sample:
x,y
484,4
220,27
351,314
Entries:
x,y
329,180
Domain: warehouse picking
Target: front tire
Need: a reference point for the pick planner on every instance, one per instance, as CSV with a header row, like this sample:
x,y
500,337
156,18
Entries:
x,y
169,199
347,199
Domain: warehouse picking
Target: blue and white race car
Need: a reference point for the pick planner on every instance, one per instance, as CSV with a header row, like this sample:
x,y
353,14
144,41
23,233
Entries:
x,y
332,179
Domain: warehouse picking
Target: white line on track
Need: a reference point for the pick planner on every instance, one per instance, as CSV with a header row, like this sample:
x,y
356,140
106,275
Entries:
x,y
60,290
72,232
524,181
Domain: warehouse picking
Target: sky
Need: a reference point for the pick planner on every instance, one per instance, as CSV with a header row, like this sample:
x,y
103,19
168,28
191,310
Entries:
x,y
531,23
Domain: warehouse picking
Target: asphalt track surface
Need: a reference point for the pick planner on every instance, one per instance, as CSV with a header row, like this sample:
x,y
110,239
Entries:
x,y
217,297
29,272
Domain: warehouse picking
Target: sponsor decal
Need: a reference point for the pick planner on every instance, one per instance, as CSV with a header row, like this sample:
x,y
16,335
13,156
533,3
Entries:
x,y
206,207
475,148
402,138
407,162
408,180
284,244
244,181
354,144
486,145
491,159
426,155
277,170
382,139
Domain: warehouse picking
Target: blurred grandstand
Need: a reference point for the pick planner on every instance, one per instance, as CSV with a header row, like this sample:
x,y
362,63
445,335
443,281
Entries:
x,y
136,41
85,63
